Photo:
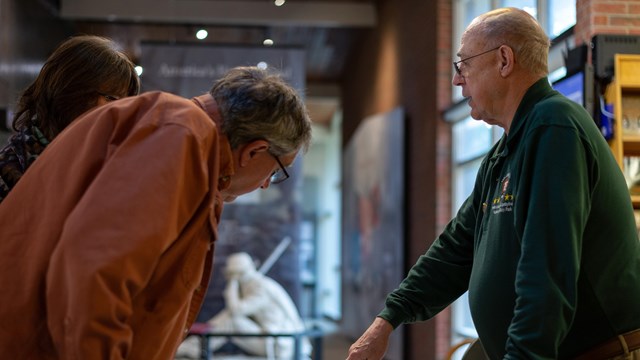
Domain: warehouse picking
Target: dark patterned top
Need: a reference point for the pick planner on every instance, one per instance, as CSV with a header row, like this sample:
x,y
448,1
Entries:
x,y
20,152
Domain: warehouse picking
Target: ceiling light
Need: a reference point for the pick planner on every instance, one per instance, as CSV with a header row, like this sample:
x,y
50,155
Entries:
x,y
202,34
139,70
267,42
279,2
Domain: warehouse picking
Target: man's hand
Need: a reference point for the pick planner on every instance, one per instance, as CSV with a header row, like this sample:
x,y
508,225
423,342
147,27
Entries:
x,y
373,343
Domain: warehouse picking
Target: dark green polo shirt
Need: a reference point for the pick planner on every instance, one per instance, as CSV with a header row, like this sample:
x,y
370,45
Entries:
x,y
546,244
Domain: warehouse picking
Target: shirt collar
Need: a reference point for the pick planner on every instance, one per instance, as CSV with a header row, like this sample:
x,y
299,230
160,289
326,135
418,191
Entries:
x,y
209,105
539,90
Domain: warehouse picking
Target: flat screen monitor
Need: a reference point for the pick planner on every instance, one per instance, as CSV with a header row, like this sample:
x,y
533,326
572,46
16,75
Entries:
x,y
572,87
581,88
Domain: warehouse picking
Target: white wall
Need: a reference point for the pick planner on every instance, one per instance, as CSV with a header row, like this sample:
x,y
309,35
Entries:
x,y
323,162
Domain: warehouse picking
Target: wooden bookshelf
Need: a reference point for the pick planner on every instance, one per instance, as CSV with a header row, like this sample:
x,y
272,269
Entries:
x,y
624,94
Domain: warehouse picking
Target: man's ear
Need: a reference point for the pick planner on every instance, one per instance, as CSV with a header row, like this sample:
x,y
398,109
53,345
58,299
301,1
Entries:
x,y
249,151
507,60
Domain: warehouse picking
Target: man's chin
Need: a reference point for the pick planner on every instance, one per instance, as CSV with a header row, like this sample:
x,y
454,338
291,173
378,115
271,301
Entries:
x,y
229,198
475,115
480,117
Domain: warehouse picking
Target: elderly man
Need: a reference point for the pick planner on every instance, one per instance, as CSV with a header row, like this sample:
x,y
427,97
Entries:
x,y
546,244
107,241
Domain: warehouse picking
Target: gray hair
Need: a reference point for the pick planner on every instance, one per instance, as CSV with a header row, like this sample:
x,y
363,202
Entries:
x,y
256,104
520,31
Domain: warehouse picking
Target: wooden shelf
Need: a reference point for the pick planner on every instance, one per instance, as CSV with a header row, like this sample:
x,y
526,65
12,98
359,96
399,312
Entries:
x,y
631,145
626,70
624,94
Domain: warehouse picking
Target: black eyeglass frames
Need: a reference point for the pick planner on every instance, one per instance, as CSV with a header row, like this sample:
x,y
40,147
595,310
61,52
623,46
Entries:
x,y
281,175
456,64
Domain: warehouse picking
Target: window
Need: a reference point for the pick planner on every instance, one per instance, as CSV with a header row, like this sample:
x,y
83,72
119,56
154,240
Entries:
x,y
472,139
529,6
562,16
464,12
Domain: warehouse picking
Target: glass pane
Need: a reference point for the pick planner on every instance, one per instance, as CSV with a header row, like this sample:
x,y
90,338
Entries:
x,y
526,5
471,138
464,178
562,15
462,321
473,8
465,12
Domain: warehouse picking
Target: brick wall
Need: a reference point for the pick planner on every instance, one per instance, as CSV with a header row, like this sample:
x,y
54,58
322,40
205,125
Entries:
x,y
443,152
606,17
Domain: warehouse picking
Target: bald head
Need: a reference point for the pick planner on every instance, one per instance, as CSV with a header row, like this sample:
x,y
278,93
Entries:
x,y
520,31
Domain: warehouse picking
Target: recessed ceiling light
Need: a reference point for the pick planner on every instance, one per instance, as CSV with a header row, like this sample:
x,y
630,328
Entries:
x,y
202,34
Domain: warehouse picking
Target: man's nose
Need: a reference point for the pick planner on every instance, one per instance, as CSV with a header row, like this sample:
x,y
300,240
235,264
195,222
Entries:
x,y
457,79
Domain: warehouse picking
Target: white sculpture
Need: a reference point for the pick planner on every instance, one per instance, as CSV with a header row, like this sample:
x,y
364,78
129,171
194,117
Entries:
x,y
254,303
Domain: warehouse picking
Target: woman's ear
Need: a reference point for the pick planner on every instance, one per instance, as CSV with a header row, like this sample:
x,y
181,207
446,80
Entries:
x,y
250,150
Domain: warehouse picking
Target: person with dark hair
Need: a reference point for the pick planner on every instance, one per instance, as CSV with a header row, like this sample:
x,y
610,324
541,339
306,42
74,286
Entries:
x,y
107,241
546,244
83,72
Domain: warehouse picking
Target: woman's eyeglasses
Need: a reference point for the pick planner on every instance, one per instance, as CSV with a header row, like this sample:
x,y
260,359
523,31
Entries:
x,y
109,97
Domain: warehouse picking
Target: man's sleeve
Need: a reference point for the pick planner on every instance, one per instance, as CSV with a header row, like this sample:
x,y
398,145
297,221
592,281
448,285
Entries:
x,y
442,274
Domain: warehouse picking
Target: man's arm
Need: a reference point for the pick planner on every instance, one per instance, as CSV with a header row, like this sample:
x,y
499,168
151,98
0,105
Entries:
x,y
437,278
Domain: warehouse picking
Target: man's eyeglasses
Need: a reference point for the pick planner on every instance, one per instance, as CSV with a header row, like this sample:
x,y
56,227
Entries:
x,y
281,175
456,64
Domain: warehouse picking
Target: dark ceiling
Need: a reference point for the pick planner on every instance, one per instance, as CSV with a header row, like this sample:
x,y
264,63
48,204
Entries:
x,y
325,29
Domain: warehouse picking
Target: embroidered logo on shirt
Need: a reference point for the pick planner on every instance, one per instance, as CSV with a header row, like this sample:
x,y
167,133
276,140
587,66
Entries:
x,y
504,202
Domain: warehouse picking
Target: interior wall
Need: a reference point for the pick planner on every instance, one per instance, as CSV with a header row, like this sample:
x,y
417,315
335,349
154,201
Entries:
x,y
29,32
395,65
